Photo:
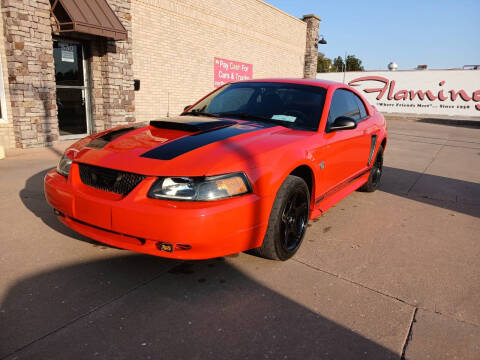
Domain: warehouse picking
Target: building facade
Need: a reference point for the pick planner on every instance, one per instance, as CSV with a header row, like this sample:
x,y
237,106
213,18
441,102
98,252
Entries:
x,y
71,68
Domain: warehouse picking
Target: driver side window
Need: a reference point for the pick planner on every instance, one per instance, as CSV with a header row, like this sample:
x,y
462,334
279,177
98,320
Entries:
x,y
344,103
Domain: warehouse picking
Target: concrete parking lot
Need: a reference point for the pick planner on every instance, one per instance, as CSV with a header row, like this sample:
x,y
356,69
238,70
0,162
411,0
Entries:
x,y
385,275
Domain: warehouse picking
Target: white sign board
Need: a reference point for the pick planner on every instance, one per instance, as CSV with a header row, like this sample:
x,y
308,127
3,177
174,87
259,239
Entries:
x,y
425,92
67,54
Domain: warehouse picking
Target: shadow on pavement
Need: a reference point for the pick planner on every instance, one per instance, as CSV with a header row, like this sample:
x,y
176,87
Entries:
x,y
140,307
456,195
470,124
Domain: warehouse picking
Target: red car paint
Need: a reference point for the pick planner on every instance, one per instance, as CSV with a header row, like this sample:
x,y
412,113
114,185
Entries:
x,y
337,162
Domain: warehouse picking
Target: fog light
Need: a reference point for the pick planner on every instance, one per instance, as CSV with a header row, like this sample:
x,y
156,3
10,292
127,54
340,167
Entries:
x,y
58,213
164,246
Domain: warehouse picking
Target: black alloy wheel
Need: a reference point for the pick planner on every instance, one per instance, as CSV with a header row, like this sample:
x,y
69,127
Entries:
x,y
294,220
288,220
377,170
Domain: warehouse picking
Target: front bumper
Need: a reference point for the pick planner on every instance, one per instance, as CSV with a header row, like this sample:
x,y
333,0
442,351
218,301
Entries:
x,y
138,223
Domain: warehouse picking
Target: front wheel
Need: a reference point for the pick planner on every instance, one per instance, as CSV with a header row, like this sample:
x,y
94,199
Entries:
x,y
375,173
288,220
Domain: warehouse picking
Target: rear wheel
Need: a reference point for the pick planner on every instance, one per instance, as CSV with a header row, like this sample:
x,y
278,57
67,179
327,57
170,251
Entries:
x,y
375,173
288,220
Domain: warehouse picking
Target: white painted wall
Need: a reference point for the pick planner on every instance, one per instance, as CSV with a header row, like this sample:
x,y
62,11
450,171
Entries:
x,y
396,91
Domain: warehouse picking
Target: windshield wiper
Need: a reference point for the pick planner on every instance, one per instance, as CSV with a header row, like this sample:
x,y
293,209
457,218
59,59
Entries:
x,y
200,113
247,116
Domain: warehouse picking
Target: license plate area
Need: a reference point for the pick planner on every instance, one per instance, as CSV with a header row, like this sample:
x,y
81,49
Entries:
x,y
93,212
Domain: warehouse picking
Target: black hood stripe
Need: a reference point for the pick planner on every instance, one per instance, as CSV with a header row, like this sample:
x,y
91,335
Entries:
x,y
186,144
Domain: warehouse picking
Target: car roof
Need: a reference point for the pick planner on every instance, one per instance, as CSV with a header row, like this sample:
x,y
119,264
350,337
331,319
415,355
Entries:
x,y
311,82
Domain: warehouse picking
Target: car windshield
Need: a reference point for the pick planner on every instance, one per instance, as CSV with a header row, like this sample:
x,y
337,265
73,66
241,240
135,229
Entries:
x,y
292,105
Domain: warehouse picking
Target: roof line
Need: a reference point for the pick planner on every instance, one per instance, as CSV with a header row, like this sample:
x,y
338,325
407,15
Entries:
x,y
281,11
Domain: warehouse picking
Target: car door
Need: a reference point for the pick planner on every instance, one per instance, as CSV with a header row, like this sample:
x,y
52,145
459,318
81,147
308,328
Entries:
x,y
369,137
343,154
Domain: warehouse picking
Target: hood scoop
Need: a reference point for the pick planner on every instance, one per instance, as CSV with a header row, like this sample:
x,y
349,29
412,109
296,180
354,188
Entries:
x,y
191,126
101,141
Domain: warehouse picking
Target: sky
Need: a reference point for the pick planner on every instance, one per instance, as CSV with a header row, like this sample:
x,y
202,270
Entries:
x,y
441,34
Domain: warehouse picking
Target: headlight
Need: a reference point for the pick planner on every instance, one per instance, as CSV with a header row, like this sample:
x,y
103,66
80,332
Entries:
x,y
64,164
200,189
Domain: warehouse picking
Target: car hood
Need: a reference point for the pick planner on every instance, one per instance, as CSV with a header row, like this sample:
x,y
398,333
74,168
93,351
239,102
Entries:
x,y
185,146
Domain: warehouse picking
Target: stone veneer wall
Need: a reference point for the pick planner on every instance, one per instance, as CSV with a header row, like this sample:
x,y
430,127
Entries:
x,y
113,98
7,138
311,48
31,73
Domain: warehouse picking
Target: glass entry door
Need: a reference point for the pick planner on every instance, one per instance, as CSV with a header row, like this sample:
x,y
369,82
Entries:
x,y
72,90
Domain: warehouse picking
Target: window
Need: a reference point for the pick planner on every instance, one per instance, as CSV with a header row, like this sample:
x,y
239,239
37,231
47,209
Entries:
x,y
361,106
232,100
345,103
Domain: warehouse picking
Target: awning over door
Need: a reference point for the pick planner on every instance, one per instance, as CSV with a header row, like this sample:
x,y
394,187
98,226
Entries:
x,y
93,17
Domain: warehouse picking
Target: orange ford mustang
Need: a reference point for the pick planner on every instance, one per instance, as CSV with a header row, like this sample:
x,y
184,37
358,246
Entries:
x,y
244,168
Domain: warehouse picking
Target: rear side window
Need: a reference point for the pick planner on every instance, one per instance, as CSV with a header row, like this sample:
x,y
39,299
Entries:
x,y
345,103
361,106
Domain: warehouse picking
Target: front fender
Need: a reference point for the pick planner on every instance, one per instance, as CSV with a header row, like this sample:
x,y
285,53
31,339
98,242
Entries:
x,y
280,167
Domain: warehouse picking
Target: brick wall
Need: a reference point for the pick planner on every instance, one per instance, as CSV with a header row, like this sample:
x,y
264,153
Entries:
x,y
31,78
174,45
171,48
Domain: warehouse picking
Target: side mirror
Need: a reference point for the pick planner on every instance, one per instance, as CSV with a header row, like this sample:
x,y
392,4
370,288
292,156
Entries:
x,y
186,107
342,123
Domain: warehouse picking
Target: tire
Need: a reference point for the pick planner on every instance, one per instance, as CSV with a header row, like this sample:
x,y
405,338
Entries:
x,y
375,173
288,221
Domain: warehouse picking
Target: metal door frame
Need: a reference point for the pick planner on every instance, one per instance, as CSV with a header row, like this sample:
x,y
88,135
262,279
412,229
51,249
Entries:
x,y
86,93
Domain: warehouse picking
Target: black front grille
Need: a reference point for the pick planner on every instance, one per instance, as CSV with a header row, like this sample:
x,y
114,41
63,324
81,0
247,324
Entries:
x,y
115,181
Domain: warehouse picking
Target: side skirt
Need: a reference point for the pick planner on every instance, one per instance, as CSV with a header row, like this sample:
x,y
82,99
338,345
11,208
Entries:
x,y
323,204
